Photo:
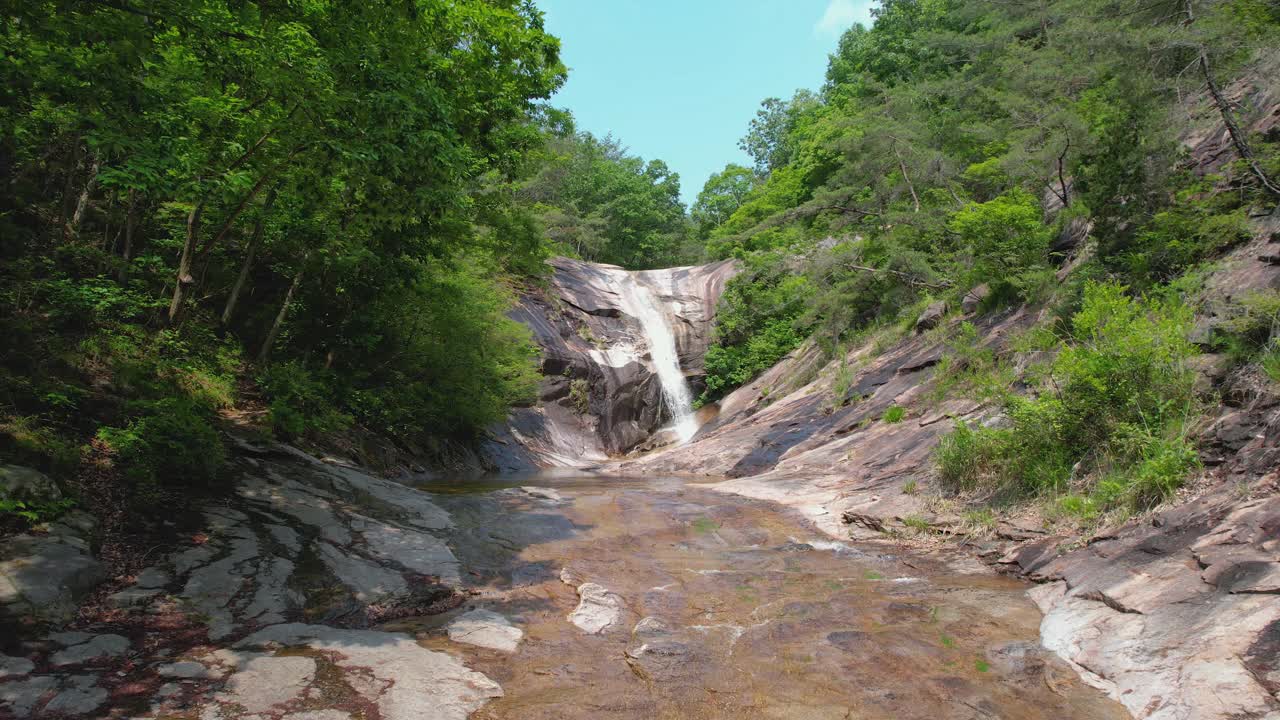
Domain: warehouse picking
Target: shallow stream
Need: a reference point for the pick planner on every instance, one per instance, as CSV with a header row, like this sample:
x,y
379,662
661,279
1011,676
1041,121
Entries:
x,y
728,607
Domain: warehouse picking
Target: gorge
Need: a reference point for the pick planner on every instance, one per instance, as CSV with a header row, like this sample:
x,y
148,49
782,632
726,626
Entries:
x,y
354,369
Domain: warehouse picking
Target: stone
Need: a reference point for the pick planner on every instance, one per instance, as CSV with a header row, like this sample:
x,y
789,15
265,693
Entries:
x,y
1235,430
286,536
97,648
131,597
413,549
15,666
409,682
318,715
973,299
21,696
81,696
25,483
932,316
265,682
188,670
152,577
485,628
598,608
45,576
169,689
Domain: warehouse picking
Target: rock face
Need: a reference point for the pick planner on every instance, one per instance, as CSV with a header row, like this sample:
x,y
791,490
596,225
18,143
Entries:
x,y
599,395
302,538
43,576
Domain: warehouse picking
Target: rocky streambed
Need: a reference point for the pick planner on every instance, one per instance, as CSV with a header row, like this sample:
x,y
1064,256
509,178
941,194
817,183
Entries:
x,y
321,593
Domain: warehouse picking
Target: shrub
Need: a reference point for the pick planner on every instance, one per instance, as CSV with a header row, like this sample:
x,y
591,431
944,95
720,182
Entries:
x,y
1114,406
580,396
172,448
1199,224
757,323
33,512
1006,240
302,403
894,414
1250,330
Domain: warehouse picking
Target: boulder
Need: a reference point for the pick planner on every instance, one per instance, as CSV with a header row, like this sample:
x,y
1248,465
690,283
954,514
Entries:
x,y
931,317
973,299
1071,236
45,576
27,484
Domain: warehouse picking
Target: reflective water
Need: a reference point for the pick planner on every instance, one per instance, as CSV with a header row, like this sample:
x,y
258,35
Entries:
x,y
733,608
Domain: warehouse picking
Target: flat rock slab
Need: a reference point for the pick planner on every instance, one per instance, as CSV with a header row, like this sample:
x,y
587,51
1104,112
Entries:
x,y
405,680
265,681
13,666
188,669
96,647
79,697
487,629
598,608
22,696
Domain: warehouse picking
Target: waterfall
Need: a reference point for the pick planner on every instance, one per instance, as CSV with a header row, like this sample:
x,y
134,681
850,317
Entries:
x,y
666,361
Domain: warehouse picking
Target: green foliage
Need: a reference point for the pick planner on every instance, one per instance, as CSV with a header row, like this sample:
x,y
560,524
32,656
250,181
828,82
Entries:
x,y
353,171
600,203
757,323
1005,239
1249,330
721,196
302,402
580,396
894,414
33,512
170,449
1115,406
1199,225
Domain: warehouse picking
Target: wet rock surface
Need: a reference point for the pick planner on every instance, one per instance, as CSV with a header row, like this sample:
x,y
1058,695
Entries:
x,y
599,394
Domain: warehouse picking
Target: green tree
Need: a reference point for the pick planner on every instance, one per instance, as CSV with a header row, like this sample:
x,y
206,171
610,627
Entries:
x,y
721,196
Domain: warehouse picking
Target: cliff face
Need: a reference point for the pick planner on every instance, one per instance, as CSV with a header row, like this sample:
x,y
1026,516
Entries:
x,y
599,395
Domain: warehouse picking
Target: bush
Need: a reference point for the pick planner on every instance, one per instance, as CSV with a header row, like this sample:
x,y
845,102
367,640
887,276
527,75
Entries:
x,y
894,414
1006,240
171,449
1114,407
1200,224
757,323
302,403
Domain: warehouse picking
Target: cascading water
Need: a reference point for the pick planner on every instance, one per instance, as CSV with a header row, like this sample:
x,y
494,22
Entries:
x,y
666,361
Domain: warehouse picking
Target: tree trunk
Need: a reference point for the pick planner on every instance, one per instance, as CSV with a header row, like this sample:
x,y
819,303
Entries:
x,y
68,183
207,248
184,279
90,185
1237,137
903,166
280,316
248,256
130,219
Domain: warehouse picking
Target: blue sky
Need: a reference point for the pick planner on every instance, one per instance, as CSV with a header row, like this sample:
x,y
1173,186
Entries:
x,y
680,79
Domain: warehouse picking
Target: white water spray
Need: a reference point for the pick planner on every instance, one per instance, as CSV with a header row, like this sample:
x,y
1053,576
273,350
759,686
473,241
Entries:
x,y
666,361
